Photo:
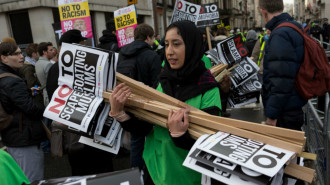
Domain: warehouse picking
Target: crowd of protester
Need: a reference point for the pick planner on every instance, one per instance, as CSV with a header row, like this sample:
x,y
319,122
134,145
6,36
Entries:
x,y
175,65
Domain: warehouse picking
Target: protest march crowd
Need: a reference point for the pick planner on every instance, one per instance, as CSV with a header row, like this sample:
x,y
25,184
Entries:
x,y
178,65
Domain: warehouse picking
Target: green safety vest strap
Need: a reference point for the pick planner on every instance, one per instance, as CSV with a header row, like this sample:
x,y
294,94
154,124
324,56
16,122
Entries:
x,y
261,52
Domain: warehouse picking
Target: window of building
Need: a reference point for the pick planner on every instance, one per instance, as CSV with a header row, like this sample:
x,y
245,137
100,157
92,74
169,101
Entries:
x,y
21,28
140,19
108,16
160,24
170,3
56,15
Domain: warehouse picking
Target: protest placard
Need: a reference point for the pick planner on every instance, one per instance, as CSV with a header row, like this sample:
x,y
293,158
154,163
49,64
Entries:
x,y
210,171
82,80
75,15
209,15
126,22
185,11
231,50
260,157
245,70
252,85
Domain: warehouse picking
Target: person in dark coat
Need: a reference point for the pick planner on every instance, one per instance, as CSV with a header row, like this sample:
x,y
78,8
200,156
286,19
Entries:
x,y
251,39
316,31
25,132
325,33
284,53
108,40
148,66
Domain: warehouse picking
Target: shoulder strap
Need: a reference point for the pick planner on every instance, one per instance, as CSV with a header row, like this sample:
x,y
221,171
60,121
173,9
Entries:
x,y
9,74
287,24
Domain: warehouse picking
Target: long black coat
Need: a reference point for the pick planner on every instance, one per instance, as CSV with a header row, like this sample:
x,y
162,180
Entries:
x,y
16,97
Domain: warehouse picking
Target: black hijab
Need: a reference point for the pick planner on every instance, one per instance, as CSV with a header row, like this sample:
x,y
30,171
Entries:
x,y
193,78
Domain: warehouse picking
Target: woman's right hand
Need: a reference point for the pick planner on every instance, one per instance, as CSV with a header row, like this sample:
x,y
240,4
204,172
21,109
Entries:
x,y
118,98
178,122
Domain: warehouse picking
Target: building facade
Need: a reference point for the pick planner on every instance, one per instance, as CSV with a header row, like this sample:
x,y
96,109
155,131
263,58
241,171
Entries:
x,y
30,21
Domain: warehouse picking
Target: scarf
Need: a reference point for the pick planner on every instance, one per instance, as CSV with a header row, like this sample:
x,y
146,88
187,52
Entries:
x,y
193,78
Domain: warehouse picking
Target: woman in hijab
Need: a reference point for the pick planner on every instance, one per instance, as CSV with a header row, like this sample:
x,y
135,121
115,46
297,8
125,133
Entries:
x,y
251,39
185,78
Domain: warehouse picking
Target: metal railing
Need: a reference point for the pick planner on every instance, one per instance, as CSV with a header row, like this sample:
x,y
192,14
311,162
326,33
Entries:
x,y
317,130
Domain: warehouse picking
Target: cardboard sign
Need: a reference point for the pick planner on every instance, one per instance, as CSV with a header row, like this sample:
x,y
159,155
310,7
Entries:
x,y
209,15
83,76
229,167
260,157
210,171
244,72
232,50
126,22
74,14
185,11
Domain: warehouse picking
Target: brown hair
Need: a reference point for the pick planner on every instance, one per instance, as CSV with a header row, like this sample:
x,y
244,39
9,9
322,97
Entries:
x,y
32,48
9,39
271,6
142,31
7,48
43,47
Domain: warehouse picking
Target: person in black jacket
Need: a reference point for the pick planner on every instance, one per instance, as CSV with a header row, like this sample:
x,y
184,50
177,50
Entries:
x,y
148,66
25,132
284,53
325,33
108,40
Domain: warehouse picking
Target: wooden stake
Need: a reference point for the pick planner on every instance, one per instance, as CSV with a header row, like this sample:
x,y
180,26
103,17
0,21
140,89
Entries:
x,y
300,172
208,37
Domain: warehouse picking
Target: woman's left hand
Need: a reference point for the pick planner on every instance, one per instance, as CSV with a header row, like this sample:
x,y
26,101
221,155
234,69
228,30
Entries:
x,y
178,122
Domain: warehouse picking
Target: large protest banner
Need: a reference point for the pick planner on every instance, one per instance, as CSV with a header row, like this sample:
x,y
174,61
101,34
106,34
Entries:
x,y
209,15
74,14
126,22
185,11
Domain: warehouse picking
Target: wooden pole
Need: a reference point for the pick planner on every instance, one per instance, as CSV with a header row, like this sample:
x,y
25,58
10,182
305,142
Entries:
x,y
208,37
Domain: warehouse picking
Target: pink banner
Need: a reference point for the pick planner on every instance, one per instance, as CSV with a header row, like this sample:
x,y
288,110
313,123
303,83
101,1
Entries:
x,y
83,24
126,35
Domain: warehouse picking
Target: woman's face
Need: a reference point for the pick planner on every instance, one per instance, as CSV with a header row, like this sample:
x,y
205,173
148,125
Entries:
x,y
174,49
14,60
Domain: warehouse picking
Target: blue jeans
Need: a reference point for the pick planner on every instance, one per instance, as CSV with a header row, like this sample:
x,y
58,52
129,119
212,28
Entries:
x,y
137,146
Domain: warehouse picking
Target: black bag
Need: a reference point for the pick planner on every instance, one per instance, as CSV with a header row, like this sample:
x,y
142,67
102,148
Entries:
x,y
127,65
6,118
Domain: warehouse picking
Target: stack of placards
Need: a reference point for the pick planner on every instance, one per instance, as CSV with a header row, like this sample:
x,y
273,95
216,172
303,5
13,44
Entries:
x,y
244,71
235,160
84,73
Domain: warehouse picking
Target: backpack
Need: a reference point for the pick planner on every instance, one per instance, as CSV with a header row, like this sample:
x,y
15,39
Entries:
x,y
127,65
5,118
313,77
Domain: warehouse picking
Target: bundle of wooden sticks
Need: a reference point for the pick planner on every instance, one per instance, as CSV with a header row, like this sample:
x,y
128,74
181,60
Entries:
x,y
153,106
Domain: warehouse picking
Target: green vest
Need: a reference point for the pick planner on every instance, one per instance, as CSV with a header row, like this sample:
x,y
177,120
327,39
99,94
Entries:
x,y
10,172
163,159
243,38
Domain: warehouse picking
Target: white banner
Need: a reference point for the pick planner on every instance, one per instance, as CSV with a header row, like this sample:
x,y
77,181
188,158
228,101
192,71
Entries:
x,y
185,11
